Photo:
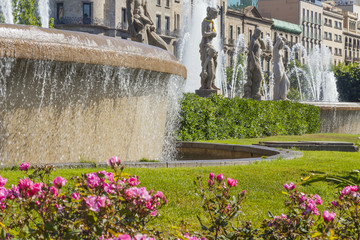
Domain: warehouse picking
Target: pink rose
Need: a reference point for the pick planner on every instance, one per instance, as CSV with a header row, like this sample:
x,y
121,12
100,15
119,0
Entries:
x,y
114,161
124,237
59,182
24,166
35,188
328,216
3,181
133,181
75,196
211,176
24,183
93,180
220,177
289,186
159,194
91,203
334,203
54,191
318,200
231,182
3,193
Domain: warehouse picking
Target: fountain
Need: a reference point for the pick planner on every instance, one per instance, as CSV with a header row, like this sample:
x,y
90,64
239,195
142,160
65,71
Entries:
x,y
6,9
44,12
68,96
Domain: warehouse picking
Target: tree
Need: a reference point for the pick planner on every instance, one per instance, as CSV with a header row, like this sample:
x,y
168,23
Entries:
x,y
25,12
348,81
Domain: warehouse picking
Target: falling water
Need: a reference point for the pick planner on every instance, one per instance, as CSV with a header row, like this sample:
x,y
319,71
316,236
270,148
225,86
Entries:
x,y
317,81
44,12
6,9
239,72
189,47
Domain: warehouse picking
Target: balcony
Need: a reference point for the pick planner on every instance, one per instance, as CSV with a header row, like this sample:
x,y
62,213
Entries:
x,y
348,58
328,24
82,21
231,41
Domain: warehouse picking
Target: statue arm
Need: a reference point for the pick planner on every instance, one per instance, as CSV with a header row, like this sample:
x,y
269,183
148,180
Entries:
x,y
205,33
262,44
146,17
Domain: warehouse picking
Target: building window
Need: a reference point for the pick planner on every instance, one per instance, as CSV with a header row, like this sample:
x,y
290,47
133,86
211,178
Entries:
x,y
158,2
167,25
124,18
60,13
319,19
238,31
316,18
231,33
168,3
158,24
87,13
250,35
312,16
307,15
303,18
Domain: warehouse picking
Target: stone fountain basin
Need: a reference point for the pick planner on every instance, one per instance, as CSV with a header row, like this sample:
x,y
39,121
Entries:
x,y
69,97
339,117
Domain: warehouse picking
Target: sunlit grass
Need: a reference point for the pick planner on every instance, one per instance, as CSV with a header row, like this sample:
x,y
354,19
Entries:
x,y
263,181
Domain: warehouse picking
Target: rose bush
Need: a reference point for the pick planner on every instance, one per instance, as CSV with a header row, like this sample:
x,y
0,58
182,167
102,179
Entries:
x,y
95,205
112,206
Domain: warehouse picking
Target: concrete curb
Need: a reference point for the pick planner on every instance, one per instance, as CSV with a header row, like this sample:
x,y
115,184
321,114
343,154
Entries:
x,y
269,155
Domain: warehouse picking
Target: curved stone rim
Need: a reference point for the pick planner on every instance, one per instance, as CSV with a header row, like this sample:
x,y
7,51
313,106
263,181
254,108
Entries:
x,y
29,42
277,154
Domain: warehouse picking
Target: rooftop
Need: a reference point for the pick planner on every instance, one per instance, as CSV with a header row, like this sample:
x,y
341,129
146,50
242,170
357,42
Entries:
x,y
286,26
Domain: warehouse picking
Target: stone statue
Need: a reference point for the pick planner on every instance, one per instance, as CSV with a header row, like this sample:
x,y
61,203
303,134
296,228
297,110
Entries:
x,y
208,54
141,27
281,81
254,72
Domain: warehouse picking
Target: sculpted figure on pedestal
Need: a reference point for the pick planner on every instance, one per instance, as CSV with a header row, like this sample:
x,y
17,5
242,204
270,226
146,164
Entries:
x,y
254,72
281,81
208,53
141,27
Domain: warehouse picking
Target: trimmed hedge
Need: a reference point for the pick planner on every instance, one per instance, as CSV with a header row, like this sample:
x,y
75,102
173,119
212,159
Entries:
x,y
218,117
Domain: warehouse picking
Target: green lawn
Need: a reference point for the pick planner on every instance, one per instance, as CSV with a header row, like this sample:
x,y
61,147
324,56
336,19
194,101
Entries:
x,y
263,181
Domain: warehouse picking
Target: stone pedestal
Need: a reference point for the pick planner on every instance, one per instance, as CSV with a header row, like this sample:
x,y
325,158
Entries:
x,y
207,92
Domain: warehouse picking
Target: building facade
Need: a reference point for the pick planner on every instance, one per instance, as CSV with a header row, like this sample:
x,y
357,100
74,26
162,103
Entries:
x,y
333,32
109,17
351,38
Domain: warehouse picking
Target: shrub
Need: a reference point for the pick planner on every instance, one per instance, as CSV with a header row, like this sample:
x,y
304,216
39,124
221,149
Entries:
x,y
218,117
348,82
96,206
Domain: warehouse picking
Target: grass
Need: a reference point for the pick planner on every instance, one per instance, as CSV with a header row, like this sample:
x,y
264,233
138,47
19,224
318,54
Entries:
x,y
263,181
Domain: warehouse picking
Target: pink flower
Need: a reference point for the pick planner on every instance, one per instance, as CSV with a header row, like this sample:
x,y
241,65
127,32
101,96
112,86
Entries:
x,y
334,203
211,176
102,202
153,213
3,193
93,180
59,182
24,183
133,181
159,194
37,203
75,196
54,191
231,182
328,216
3,181
210,182
289,186
91,203
318,199
220,177
124,237
243,192
35,188
114,161
24,166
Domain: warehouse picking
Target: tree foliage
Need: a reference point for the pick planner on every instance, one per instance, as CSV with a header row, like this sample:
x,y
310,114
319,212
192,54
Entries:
x,y
25,12
348,82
